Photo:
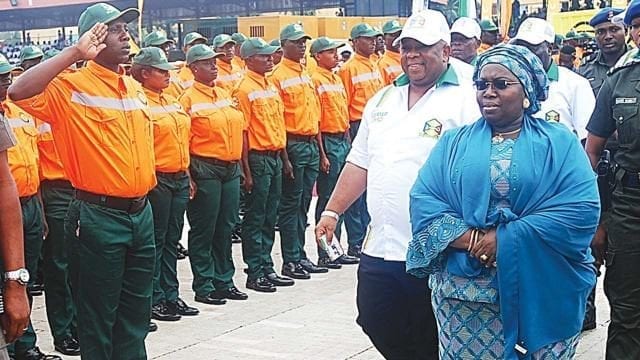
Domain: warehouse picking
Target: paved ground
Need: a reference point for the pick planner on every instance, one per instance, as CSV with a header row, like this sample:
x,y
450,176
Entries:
x,y
312,320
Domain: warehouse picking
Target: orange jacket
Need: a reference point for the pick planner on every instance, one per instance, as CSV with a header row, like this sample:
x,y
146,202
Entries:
x,y
334,114
362,80
171,126
23,158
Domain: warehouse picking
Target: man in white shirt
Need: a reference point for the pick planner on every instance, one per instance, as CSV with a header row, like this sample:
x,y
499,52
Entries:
x,y
400,126
570,101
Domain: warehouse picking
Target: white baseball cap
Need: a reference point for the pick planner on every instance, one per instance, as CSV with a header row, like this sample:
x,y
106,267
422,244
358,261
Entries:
x,y
427,27
535,31
466,27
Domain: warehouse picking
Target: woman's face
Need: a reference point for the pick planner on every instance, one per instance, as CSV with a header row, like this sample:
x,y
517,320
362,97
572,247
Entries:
x,y
205,71
502,108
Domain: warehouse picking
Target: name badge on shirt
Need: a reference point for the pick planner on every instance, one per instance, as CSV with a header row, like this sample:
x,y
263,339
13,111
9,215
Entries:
x,y
626,100
379,115
432,128
552,116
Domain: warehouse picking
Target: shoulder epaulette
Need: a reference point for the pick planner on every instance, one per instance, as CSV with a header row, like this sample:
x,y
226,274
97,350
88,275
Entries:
x,y
627,60
588,59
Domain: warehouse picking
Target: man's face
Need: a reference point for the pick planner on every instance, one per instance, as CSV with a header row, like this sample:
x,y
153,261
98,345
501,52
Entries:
x,y
380,44
389,39
566,60
464,48
261,64
117,41
365,45
229,51
165,47
610,38
28,64
277,57
422,63
542,51
327,59
5,82
294,49
489,37
345,55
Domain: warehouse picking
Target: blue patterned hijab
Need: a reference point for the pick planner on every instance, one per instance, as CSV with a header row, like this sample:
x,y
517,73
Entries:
x,y
524,65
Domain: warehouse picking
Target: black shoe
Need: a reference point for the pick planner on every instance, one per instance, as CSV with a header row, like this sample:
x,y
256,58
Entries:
x,y
325,262
180,307
260,284
34,290
355,251
233,293
153,326
278,280
348,260
161,312
236,239
212,298
295,270
312,268
68,346
36,354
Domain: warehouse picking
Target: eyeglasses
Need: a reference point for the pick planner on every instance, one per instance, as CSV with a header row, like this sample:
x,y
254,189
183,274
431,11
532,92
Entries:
x,y
498,84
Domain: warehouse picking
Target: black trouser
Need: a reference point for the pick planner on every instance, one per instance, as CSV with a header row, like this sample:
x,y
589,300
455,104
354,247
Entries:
x,y
622,278
394,310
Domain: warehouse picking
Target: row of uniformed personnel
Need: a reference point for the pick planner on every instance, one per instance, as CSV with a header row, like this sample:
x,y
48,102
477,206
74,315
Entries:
x,y
120,142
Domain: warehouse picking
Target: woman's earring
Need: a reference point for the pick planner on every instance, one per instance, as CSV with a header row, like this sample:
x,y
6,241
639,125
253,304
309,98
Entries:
x,y
526,103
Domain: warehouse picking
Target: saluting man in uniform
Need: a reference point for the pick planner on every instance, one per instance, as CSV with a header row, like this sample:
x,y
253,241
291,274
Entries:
x,y
101,118
617,110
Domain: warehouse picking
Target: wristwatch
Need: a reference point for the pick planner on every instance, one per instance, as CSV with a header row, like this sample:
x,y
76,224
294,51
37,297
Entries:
x,y
20,275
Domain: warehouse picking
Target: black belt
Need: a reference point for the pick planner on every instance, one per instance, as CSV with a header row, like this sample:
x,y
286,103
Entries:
x,y
300,138
270,153
340,135
631,179
58,183
25,199
172,175
214,161
129,205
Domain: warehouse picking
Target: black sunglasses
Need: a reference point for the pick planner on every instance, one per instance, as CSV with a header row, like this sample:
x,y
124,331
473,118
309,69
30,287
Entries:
x,y
498,84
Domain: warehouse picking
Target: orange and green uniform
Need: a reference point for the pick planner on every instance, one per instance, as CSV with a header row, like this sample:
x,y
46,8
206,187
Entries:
x,y
169,198
263,111
390,67
23,162
216,149
57,193
362,80
301,118
104,135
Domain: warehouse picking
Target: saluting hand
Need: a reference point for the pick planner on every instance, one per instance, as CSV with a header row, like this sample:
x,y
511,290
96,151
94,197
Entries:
x,y
92,43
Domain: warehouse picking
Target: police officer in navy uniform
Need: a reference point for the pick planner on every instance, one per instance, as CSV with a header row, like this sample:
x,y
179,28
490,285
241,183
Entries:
x,y
610,38
618,109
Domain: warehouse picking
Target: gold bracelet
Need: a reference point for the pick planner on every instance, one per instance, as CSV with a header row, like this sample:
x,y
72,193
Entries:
x,y
472,239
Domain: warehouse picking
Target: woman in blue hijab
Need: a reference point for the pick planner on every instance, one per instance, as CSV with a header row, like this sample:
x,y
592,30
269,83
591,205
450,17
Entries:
x,y
503,213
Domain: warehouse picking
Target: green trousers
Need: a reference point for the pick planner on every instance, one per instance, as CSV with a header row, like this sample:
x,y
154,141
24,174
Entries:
x,y
113,259
296,198
61,311
33,228
212,214
261,214
169,202
336,149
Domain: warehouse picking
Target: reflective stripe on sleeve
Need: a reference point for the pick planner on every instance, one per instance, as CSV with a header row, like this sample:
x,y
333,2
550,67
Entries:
x,y
262,94
304,79
365,77
330,88
208,106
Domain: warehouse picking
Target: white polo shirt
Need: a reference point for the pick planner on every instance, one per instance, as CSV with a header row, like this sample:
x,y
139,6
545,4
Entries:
x,y
570,102
393,143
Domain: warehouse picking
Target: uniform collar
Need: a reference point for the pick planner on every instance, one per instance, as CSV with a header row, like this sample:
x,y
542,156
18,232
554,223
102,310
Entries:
x,y
224,66
152,96
363,59
449,76
260,79
553,73
104,73
296,66
205,89
392,55
324,71
600,58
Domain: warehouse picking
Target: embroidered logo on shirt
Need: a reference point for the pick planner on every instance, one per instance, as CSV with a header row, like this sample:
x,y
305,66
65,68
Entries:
x,y
24,117
234,102
552,116
379,115
626,100
142,97
432,128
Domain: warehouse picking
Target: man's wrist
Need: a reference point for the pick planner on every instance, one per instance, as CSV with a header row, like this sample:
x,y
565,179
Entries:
x,y
331,214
